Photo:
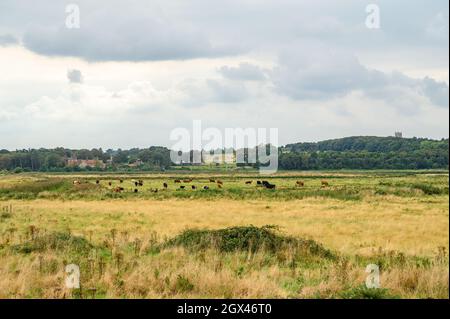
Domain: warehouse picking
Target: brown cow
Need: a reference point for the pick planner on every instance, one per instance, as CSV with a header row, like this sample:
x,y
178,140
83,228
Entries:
x,y
219,182
211,180
248,182
177,181
187,180
219,185
324,183
300,184
76,183
165,185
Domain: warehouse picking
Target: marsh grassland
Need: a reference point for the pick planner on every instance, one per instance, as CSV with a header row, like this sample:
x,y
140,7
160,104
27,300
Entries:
x,y
236,241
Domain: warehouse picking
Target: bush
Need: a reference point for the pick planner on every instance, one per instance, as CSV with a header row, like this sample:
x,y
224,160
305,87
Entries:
x,y
55,241
430,189
183,284
362,292
245,238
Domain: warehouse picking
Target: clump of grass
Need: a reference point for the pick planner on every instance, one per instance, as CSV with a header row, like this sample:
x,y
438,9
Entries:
x,y
5,215
56,241
428,189
182,284
245,238
31,190
362,292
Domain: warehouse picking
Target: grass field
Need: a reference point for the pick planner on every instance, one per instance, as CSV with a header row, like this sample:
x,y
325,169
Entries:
x,y
197,243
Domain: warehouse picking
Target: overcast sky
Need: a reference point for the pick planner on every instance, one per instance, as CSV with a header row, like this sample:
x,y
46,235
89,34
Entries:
x,y
135,70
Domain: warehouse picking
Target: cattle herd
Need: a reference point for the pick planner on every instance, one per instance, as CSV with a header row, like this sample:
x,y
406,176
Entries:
x,y
217,182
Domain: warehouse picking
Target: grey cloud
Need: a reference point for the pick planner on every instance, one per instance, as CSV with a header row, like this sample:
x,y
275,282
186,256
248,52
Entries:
x,y
330,74
160,42
245,71
137,31
144,30
227,93
203,92
437,92
75,76
7,40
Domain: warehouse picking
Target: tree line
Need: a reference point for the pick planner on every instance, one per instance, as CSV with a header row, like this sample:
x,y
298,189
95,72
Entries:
x,y
152,158
366,152
361,152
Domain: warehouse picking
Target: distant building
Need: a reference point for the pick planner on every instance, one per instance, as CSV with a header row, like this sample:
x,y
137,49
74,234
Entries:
x,y
218,157
398,134
137,163
74,162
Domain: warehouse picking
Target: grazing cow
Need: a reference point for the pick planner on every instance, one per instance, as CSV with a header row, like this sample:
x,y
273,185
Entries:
x,y
265,183
140,182
219,182
194,187
219,185
325,183
300,184
248,182
182,187
165,185
110,184
154,190
135,190
212,180
270,186
136,184
187,180
76,183
177,181
118,189
205,187
258,183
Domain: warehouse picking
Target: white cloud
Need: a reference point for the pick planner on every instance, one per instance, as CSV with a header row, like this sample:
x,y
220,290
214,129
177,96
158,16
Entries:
x,y
245,71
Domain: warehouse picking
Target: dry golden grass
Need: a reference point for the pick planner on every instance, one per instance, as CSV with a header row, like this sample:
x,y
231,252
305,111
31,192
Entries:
x,y
393,223
408,235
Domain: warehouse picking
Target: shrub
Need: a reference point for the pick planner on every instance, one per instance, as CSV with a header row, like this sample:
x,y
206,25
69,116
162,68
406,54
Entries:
x,y
55,241
183,284
245,238
362,292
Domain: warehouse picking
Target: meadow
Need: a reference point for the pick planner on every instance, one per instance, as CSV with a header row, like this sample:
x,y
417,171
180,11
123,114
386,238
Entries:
x,y
236,240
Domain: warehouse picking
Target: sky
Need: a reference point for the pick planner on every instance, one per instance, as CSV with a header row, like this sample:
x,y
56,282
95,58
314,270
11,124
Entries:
x,y
123,74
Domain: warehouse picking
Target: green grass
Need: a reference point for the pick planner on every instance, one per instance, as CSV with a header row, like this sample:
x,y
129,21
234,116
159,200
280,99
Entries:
x,y
344,187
